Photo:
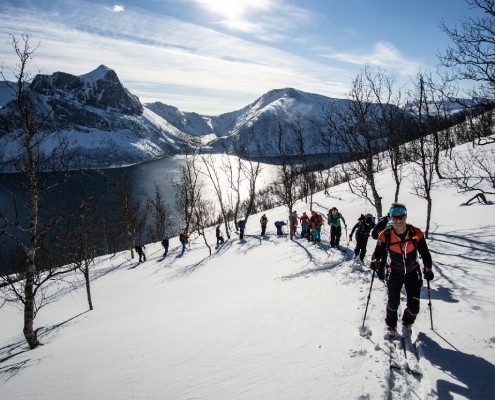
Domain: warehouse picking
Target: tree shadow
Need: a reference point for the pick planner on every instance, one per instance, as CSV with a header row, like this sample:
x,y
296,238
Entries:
x,y
190,268
49,331
19,346
474,373
311,260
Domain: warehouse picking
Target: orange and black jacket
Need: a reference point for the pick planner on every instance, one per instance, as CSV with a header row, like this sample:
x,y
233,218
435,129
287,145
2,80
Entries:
x,y
403,252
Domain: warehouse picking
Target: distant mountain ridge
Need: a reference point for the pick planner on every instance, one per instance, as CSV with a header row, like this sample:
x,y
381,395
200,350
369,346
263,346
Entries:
x,y
105,125
257,124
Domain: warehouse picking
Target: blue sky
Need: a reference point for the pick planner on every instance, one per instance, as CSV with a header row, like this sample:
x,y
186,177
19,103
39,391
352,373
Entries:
x,y
215,56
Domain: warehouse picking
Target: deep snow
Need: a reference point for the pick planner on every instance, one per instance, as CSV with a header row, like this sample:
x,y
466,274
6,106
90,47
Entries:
x,y
265,318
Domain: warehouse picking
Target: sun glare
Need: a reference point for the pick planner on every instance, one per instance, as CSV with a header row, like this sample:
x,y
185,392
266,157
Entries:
x,y
235,12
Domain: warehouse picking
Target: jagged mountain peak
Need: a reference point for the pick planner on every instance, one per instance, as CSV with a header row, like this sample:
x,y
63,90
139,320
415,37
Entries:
x,y
100,88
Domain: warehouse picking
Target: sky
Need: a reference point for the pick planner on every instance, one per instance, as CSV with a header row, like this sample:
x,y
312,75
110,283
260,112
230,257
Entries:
x,y
266,317
216,56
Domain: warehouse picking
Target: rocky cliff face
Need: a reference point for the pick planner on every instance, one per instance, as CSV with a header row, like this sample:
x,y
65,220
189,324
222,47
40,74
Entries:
x,y
101,122
100,89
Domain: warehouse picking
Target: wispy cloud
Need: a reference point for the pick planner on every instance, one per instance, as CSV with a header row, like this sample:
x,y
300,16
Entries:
x,y
382,54
163,58
267,20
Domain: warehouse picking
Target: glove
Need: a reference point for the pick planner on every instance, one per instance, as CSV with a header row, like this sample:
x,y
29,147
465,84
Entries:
x,y
350,238
375,265
428,274
380,272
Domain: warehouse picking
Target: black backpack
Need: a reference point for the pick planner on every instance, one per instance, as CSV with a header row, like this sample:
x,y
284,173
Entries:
x,y
366,222
380,226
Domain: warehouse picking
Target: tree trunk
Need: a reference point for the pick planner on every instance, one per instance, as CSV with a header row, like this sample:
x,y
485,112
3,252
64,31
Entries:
x,y
88,286
29,314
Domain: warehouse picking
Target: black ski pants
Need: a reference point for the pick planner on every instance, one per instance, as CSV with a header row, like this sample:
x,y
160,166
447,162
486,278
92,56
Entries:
x,y
361,243
412,283
335,233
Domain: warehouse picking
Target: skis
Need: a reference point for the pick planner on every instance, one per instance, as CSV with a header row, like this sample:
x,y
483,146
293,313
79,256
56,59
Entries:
x,y
406,377
411,354
403,354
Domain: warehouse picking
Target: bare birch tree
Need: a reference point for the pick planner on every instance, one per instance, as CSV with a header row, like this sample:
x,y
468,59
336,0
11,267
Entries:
x,y
355,128
40,173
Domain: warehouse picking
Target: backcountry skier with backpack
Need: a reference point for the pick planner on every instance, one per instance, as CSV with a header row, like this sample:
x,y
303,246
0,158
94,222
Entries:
x,y
333,218
140,250
363,227
401,242
165,244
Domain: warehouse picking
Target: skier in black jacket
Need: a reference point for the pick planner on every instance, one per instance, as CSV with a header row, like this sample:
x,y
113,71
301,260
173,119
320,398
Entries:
x,y
365,224
401,243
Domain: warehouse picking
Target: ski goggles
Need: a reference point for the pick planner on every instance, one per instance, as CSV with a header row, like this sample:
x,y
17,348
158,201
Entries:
x,y
398,211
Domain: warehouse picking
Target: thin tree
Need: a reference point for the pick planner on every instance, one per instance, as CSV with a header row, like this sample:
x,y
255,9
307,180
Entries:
x,y
129,211
471,54
251,169
187,192
157,214
40,174
355,127
213,172
287,177
232,168
424,151
85,248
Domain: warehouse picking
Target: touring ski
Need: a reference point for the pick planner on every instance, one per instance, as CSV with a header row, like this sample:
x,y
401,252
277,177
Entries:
x,y
410,352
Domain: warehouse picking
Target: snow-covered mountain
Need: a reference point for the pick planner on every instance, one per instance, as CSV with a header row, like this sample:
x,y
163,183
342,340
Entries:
x,y
102,122
256,125
105,125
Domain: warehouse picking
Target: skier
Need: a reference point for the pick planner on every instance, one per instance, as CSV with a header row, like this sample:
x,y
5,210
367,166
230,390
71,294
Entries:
x,y
139,249
401,242
183,240
263,222
304,226
165,243
218,233
242,225
333,218
279,225
363,227
293,218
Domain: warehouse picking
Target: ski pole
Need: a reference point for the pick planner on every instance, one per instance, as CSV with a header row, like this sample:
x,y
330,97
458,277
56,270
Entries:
x,y
369,296
429,303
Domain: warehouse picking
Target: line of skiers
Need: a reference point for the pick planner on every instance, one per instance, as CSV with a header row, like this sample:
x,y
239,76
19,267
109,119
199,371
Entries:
x,y
397,241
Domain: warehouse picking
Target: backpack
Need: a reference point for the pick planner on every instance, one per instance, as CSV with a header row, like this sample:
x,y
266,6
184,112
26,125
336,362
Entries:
x,y
380,226
334,218
319,220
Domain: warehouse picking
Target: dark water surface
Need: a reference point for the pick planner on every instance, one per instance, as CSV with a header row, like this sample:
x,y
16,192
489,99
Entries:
x,y
81,184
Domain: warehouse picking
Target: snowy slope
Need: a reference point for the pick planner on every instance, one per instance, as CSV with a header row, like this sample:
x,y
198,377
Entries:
x,y
265,318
